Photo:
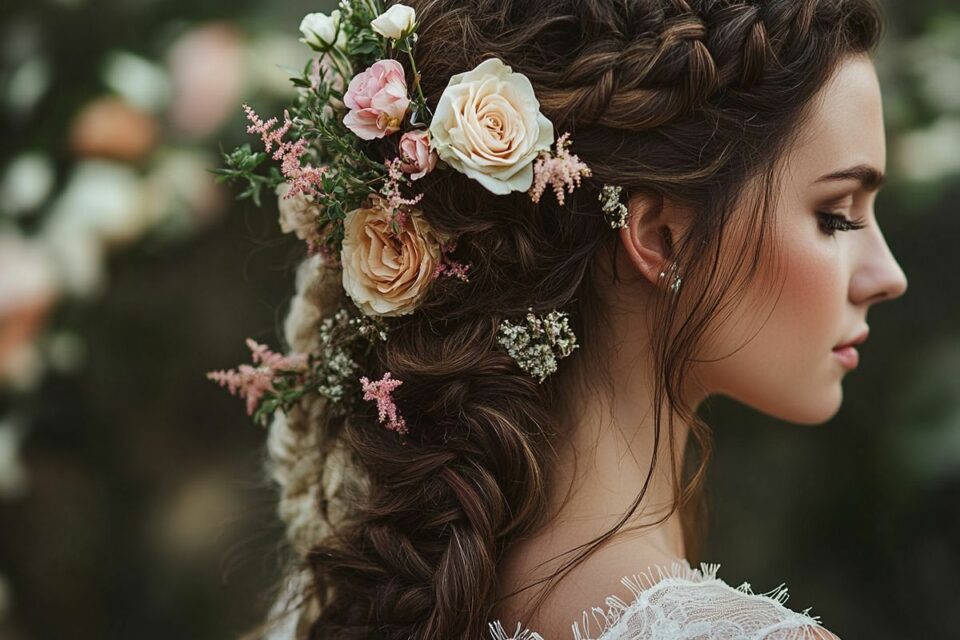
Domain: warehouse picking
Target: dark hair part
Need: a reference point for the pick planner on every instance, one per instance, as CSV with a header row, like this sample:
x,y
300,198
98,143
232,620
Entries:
x,y
689,100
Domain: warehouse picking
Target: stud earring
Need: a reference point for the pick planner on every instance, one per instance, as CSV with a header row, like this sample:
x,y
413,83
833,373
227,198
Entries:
x,y
675,278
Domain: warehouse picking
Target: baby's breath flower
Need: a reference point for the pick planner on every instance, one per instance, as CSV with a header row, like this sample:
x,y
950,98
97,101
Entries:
x,y
369,327
615,211
537,345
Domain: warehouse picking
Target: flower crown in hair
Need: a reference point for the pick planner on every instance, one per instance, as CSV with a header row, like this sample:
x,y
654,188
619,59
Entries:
x,y
358,209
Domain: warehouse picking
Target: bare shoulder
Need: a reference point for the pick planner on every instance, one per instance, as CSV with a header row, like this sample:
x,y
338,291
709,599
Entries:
x,y
587,585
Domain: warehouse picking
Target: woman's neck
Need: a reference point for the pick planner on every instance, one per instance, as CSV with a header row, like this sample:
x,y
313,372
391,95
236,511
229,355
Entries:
x,y
605,461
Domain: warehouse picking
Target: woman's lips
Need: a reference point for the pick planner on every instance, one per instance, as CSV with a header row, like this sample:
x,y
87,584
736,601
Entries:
x,y
848,356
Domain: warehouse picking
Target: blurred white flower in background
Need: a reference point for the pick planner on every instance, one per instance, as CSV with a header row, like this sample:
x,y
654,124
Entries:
x,y
26,184
934,59
931,153
139,81
28,83
26,274
102,205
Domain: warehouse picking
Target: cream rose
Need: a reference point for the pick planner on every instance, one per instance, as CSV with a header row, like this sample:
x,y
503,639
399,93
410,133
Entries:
x,y
488,126
396,22
384,274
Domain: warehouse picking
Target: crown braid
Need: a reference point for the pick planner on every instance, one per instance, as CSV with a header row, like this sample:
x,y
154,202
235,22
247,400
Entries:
x,y
642,68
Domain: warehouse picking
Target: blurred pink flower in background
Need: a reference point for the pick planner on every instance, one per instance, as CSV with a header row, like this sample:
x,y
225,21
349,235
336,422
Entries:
x,y
28,289
207,75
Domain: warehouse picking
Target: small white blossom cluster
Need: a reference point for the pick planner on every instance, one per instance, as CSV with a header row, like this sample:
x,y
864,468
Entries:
x,y
538,344
338,368
369,327
615,211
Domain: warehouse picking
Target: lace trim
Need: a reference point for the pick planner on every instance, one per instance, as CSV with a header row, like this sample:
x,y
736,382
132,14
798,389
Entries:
x,y
642,585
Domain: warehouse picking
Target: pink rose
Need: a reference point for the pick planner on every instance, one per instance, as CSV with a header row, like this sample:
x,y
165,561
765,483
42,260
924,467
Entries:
x,y
377,99
416,157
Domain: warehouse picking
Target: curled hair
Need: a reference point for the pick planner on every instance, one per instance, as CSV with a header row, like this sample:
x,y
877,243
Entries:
x,y
695,101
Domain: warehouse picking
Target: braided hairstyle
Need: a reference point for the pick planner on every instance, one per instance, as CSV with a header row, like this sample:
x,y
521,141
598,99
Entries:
x,y
692,100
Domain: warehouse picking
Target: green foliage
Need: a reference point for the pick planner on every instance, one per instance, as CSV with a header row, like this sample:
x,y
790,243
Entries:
x,y
240,166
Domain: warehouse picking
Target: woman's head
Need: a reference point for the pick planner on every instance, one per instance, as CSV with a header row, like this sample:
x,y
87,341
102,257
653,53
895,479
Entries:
x,y
692,107
777,350
774,345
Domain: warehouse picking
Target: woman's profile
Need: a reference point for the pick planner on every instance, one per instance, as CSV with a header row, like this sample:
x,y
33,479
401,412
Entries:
x,y
523,456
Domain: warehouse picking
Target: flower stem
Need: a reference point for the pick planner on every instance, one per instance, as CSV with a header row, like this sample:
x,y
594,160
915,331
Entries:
x,y
416,76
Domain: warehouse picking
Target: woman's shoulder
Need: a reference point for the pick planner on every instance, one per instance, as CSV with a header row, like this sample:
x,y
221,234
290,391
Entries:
x,y
677,602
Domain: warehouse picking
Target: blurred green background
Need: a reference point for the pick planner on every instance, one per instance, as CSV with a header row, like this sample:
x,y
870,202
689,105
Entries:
x,y
132,500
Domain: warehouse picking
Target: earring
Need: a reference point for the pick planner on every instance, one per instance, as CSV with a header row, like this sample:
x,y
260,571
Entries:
x,y
675,278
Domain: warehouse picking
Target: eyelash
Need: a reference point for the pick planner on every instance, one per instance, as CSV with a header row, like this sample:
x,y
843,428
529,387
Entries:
x,y
830,223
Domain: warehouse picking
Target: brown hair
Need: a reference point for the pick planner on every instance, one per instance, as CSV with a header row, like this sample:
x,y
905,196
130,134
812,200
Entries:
x,y
690,100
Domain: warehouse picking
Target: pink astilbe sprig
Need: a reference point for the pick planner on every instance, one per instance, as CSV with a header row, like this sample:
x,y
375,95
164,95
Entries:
x,y
305,179
562,169
252,382
448,266
380,391
391,191
262,354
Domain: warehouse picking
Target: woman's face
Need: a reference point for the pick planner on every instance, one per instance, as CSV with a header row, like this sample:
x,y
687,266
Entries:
x,y
778,353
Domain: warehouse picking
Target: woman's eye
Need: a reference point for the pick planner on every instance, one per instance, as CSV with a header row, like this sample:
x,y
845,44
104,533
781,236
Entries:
x,y
830,223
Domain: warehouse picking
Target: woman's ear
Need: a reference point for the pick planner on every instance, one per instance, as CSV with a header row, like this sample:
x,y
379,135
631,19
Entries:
x,y
654,225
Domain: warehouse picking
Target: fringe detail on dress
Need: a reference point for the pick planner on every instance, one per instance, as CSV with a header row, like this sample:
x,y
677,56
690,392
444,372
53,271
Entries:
x,y
778,595
497,633
639,584
642,585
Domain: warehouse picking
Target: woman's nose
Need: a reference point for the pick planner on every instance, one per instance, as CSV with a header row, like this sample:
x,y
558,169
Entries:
x,y
879,276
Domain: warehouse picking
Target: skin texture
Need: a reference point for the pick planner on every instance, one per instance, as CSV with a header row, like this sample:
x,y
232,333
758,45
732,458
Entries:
x,y
773,353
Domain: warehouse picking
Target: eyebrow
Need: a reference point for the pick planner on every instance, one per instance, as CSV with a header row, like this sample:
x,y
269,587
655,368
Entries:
x,y
869,178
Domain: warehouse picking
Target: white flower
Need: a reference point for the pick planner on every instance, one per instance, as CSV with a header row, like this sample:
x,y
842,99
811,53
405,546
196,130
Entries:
x,y
489,127
322,31
540,343
297,214
396,22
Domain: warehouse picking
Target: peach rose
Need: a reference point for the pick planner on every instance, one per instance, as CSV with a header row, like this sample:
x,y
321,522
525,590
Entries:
x,y
489,127
383,273
377,99
417,156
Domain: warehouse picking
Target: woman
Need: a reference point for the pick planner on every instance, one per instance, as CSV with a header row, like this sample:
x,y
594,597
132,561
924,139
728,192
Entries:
x,y
745,143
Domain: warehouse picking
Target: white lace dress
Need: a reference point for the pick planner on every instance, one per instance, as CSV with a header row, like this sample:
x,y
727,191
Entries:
x,y
683,603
